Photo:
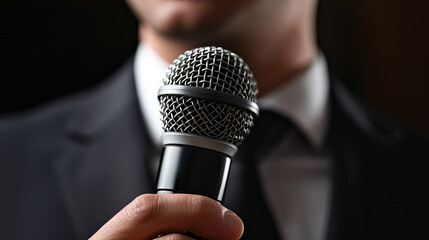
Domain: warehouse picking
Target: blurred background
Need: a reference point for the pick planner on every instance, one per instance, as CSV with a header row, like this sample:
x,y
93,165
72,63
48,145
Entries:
x,y
50,48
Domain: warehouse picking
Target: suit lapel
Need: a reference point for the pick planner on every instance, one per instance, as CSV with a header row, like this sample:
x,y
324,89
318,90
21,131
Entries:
x,y
104,164
351,135
379,172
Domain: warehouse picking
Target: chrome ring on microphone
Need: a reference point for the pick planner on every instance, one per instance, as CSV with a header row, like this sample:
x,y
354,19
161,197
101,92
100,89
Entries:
x,y
209,94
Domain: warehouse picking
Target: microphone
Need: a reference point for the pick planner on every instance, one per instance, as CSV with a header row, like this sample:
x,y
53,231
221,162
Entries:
x,y
207,104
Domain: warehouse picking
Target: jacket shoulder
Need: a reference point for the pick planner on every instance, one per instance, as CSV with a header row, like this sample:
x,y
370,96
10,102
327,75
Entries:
x,y
57,112
373,128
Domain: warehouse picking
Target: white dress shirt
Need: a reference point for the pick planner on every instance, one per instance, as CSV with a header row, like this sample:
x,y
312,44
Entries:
x,y
295,176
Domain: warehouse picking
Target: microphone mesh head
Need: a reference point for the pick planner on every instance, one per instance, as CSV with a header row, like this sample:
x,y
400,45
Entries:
x,y
219,70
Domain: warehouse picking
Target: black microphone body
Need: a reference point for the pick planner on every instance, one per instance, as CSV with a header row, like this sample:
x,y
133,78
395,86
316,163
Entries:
x,y
188,169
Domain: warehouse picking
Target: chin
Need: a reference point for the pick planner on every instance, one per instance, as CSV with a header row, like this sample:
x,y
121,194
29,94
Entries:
x,y
190,17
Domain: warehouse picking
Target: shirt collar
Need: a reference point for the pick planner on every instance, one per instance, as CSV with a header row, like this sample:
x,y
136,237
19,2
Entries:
x,y
303,99
149,70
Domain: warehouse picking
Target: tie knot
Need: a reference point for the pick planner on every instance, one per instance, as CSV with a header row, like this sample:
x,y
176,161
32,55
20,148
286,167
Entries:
x,y
268,131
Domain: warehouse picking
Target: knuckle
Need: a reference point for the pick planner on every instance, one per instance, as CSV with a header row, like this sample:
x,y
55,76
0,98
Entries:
x,y
200,205
142,208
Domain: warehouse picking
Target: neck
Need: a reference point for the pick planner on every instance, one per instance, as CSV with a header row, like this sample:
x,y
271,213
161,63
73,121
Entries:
x,y
273,56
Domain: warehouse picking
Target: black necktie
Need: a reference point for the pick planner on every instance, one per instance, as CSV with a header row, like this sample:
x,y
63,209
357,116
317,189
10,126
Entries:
x,y
244,194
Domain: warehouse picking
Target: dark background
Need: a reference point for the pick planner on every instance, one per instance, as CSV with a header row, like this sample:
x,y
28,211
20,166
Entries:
x,y
49,48
54,47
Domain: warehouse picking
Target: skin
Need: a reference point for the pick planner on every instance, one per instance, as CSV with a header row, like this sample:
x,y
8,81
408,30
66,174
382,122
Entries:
x,y
275,38
150,215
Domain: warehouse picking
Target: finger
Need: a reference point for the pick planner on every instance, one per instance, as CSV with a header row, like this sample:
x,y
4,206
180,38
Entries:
x,y
175,236
151,214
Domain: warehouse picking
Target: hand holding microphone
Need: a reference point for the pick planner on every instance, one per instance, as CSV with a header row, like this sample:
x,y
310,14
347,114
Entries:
x,y
173,214
208,103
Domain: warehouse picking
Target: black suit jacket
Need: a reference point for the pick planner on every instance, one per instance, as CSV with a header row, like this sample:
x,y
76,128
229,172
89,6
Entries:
x,y
69,166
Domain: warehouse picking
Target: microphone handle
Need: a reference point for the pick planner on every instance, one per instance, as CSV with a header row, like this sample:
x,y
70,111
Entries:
x,y
193,170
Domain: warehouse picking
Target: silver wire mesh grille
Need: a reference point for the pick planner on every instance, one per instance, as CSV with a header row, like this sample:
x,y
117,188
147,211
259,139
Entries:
x,y
213,68
206,118
219,70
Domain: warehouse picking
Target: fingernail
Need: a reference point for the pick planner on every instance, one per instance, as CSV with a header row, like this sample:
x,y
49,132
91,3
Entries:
x,y
233,223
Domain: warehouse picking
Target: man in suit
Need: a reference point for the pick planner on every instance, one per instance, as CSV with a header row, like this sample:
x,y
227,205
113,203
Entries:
x,y
339,173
